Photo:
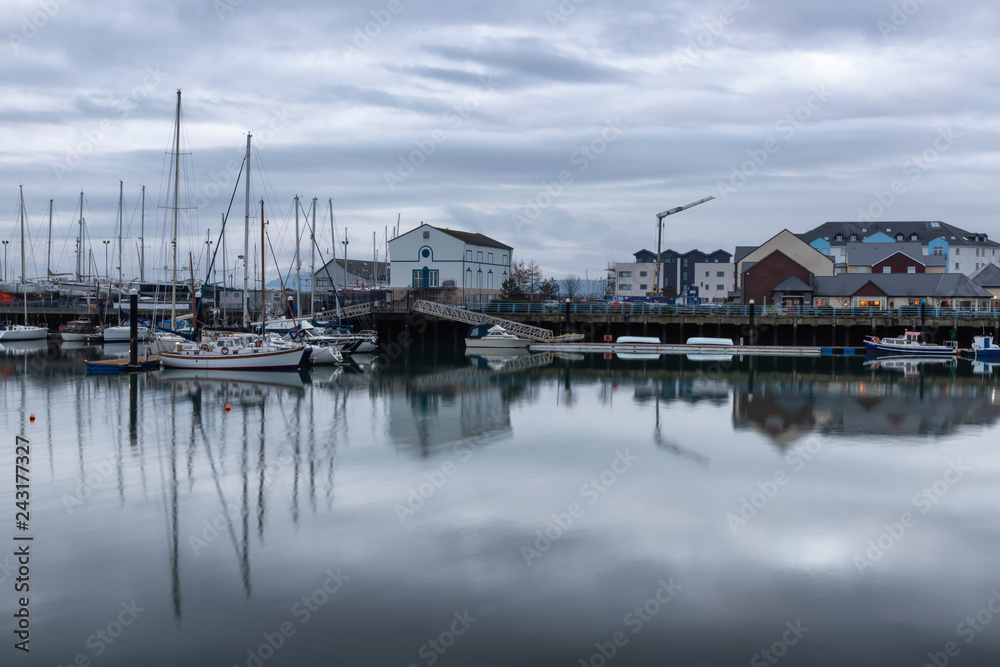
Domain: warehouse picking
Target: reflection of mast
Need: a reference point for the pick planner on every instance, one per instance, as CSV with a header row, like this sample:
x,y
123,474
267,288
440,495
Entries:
x,y
260,471
245,505
175,579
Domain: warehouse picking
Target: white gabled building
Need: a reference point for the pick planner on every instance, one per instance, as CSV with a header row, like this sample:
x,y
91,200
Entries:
x,y
448,265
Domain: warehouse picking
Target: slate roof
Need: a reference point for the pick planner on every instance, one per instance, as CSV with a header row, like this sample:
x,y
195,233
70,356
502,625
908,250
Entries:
x,y
914,285
473,238
988,276
742,251
926,232
792,284
870,254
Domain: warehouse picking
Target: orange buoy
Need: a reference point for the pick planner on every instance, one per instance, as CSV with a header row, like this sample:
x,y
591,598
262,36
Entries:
x,y
32,417
227,407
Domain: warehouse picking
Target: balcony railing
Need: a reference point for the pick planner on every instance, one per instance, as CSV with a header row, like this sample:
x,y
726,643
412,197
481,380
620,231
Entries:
x,y
739,310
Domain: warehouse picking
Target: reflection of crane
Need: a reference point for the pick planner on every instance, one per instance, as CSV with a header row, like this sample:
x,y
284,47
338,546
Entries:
x,y
659,238
670,445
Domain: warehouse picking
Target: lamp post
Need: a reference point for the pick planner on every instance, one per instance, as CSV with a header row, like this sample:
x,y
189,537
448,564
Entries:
x,y
107,271
5,259
345,242
659,237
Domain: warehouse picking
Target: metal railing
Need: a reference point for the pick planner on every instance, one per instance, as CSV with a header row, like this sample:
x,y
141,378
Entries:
x,y
738,310
478,317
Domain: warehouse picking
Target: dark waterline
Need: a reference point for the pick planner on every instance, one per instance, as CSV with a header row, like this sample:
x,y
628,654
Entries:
x,y
534,511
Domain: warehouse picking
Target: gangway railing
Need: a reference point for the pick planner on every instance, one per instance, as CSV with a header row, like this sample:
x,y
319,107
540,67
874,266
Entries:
x,y
473,317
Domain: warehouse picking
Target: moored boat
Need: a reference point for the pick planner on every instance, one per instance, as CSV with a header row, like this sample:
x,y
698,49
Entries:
x,y
493,336
235,353
985,348
910,344
81,330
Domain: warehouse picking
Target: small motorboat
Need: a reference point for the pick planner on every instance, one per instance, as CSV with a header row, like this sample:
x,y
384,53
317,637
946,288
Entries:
x,y
493,336
909,344
985,348
81,330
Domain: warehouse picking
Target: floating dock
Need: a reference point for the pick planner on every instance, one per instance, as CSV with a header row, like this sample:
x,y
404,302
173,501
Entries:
x,y
112,366
652,348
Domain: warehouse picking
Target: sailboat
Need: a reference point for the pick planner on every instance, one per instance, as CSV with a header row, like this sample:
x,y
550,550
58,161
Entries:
x,y
22,331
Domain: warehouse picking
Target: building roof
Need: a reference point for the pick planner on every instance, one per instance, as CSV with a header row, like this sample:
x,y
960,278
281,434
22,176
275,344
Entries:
x,y
355,267
792,284
742,251
474,238
913,285
860,253
988,276
926,232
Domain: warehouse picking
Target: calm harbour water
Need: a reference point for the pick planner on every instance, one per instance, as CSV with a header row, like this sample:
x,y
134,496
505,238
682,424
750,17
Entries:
x,y
542,511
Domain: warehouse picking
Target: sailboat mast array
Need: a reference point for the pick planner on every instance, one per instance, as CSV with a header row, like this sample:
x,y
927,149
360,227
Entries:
x,y
177,170
246,246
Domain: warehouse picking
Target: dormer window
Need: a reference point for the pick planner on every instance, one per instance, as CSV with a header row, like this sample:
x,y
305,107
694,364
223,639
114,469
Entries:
x,y
899,237
838,237
854,237
914,237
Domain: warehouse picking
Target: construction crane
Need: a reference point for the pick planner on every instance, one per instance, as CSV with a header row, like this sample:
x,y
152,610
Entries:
x,y
659,238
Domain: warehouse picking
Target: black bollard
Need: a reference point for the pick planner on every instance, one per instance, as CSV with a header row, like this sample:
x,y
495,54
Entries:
x,y
133,330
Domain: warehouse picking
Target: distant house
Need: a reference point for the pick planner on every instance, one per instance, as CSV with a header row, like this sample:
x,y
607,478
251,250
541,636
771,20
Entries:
x,y
448,265
988,277
880,290
901,257
959,250
763,269
677,269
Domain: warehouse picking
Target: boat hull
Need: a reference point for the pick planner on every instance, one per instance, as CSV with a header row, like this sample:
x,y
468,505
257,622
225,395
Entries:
x,y
121,334
21,332
874,348
247,359
496,343
984,348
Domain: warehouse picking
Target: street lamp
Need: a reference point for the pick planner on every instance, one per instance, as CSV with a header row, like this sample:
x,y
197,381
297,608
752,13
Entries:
x,y
107,272
659,237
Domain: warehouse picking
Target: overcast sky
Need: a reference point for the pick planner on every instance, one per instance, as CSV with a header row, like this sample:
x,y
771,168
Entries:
x,y
559,128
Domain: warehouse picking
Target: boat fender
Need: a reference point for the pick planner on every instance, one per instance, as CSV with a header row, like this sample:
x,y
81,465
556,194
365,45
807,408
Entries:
x,y
225,350
203,347
877,341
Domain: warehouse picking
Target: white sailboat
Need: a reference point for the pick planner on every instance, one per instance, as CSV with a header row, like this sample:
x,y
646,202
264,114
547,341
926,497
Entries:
x,y
22,331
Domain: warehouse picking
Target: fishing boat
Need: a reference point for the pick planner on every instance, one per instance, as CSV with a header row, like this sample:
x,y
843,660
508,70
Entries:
x,y
909,366
22,331
493,336
81,330
909,344
985,348
242,352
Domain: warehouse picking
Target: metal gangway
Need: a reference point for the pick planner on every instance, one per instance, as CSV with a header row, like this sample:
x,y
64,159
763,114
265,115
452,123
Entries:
x,y
474,317
356,310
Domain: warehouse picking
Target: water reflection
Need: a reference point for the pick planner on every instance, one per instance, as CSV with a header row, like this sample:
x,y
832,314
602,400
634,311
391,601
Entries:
x,y
224,518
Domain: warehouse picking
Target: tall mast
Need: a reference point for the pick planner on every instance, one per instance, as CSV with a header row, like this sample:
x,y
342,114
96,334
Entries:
x,y
121,194
225,273
298,263
246,246
142,239
177,173
312,263
333,237
263,316
48,259
79,244
20,188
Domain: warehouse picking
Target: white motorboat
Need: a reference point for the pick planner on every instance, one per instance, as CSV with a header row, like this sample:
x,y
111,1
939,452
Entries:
x,y
495,336
122,332
235,353
985,348
638,340
909,344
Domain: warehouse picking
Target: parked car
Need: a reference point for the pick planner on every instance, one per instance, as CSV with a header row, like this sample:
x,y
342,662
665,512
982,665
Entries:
x,y
550,306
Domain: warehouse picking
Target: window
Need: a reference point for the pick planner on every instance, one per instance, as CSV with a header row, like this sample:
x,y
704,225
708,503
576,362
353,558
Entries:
x,y
504,259
854,237
432,278
957,251
899,237
720,274
938,250
479,256
720,287
838,237
911,269
956,266
886,269
685,261
914,237
862,269
489,258
427,235
643,274
706,274
643,286
468,255
625,287
624,274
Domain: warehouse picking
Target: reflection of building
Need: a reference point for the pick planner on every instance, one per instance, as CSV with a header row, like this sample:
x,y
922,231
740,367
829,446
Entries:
x,y
785,412
452,413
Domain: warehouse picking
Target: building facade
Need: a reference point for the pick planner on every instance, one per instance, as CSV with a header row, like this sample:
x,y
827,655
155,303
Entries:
x,y
448,265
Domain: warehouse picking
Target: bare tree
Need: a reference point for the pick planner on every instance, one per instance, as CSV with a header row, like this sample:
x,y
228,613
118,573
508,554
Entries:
x,y
572,285
533,276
